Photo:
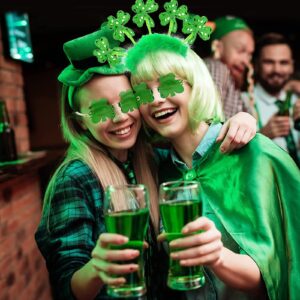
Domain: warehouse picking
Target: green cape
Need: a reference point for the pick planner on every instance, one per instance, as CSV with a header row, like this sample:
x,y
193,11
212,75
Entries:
x,y
255,192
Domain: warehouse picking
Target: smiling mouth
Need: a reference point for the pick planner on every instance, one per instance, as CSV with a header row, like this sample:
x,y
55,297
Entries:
x,y
239,70
164,114
122,131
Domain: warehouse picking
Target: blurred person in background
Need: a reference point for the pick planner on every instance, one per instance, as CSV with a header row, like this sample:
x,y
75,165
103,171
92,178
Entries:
x,y
278,107
232,45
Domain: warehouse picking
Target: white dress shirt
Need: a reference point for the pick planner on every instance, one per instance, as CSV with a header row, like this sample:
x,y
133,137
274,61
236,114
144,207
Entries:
x,y
266,108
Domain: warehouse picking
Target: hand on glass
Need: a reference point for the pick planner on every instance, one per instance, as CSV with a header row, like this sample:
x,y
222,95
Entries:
x,y
105,260
237,132
203,248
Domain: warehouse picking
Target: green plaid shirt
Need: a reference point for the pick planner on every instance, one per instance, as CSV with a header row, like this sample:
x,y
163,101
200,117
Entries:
x,y
75,221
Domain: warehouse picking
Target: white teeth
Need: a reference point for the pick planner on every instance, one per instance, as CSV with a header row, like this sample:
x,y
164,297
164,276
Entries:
x,y
123,131
162,113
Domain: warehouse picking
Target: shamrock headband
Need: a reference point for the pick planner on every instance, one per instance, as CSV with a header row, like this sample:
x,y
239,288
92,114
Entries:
x,y
100,53
193,25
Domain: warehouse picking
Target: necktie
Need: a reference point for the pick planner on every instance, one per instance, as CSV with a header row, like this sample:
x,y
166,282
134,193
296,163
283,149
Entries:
x,y
128,170
283,110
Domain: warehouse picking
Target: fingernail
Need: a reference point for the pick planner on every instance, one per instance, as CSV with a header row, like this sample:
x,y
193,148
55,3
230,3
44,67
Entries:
x,y
123,239
134,253
173,244
133,268
185,230
183,262
174,255
222,149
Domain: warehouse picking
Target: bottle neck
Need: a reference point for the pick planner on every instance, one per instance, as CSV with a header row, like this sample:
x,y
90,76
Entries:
x,y
4,118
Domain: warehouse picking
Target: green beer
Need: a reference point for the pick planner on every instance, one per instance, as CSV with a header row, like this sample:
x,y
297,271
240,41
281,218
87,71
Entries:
x,y
132,224
175,215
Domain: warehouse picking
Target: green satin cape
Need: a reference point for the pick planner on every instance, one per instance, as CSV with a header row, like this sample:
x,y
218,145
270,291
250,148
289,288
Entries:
x,y
255,192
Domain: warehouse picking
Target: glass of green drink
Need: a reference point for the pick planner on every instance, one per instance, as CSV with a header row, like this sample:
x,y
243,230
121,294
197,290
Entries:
x,y
180,203
126,212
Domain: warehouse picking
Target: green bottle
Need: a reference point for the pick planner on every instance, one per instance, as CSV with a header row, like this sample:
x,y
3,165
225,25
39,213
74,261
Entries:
x,y
284,106
8,150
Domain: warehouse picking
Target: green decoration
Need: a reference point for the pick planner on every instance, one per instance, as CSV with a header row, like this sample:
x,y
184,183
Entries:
x,y
142,13
195,25
133,99
118,26
169,85
104,53
173,12
143,94
151,43
128,101
191,174
101,111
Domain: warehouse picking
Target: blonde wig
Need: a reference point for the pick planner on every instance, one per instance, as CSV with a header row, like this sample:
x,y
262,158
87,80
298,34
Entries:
x,y
204,103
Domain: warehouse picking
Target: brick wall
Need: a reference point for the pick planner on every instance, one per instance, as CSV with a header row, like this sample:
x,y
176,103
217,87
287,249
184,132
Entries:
x,y
23,274
11,91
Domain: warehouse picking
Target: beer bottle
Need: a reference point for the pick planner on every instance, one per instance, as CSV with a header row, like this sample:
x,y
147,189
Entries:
x,y
284,106
7,136
284,109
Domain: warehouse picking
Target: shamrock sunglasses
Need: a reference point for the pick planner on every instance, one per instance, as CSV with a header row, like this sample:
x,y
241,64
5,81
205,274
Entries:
x,y
101,110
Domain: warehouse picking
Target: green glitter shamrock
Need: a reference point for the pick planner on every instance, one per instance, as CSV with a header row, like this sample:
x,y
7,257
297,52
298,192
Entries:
x,y
143,94
101,111
128,101
142,13
133,99
104,53
195,25
169,86
172,12
118,26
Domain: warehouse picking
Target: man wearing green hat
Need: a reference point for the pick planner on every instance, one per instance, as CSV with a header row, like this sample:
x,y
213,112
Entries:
x,y
232,47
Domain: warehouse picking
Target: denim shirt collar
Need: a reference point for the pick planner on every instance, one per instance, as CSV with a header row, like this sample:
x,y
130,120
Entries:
x,y
207,141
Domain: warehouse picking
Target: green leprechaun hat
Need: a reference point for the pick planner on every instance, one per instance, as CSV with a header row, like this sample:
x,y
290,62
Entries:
x,y
94,53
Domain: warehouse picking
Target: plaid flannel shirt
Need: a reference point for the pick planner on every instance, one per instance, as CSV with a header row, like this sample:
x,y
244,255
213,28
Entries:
x,y
230,95
70,227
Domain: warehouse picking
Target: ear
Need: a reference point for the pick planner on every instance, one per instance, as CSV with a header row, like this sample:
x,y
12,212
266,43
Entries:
x,y
293,66
82,124
217,49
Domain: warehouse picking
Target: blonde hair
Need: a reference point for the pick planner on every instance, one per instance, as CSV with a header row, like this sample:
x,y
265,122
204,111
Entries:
x,y
204,103
85,148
